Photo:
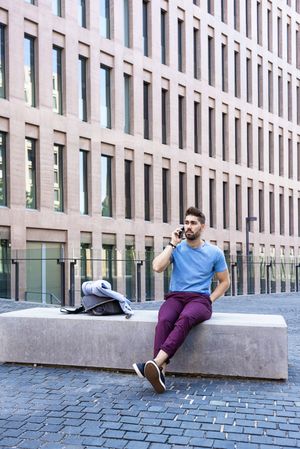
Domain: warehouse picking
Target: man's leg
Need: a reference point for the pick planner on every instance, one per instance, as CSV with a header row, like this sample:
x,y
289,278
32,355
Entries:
x,y
197,310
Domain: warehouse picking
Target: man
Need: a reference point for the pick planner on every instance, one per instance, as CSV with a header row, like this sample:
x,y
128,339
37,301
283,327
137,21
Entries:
x,y
189,301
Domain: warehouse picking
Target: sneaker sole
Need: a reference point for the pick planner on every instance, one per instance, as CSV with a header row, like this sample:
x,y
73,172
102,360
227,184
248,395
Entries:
x,y
152,374
138,372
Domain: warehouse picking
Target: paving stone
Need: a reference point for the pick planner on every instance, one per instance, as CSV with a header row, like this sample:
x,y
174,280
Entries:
x,y
157,438
201,442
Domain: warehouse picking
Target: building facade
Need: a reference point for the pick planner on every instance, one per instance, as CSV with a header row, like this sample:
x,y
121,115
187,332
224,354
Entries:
x,y
115,115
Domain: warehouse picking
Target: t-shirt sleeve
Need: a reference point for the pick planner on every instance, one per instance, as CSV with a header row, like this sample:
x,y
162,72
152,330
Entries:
x,y
220,264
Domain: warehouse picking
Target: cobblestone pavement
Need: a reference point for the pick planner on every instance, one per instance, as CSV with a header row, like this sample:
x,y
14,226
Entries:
x,y
56,408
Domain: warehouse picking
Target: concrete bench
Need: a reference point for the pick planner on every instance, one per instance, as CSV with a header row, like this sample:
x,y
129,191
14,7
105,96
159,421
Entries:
x,y
229,344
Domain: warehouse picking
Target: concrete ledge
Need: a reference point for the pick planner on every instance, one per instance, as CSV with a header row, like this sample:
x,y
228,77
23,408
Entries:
x,y
228,344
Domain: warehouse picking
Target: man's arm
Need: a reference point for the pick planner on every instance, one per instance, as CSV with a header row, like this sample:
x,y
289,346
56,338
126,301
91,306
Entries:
x,y
223,285
162,261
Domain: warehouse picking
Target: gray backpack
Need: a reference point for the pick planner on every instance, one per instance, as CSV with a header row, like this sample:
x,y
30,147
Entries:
x,y
96,305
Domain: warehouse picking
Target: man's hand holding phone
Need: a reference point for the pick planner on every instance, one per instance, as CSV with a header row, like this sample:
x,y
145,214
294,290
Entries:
x,y
177,235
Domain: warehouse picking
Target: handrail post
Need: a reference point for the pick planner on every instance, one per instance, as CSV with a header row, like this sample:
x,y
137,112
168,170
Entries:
x,y
268,266
139,264
297,277
72,282
233,267
17,276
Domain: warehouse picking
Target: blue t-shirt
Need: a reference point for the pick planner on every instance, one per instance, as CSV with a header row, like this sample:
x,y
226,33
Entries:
x,y
193,268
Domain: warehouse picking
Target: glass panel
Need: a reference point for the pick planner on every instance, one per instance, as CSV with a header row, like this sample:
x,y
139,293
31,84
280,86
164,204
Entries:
x,y
57,80
145,28
29,71
130,272
128,187
83,182
30,150
149,275
126,24
58,179
82,84
163,36
127,126
82,13
56,7
86,266
2,61
109,271
105,18
146,111
3,178
147,169
5,267
106,186
105,97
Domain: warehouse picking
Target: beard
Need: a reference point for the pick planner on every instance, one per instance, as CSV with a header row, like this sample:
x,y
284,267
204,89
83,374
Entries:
x,y
191,235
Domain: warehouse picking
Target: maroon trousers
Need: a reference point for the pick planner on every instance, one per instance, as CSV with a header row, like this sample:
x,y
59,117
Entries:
x,y
178,314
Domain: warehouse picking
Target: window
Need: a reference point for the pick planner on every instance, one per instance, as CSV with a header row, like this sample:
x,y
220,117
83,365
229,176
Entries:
x,y
164,116
288,43
248,18
237,71
31,185
236,14
146,110
272,212
298,102
211,132
279,37
298,46
2,62
147,191
128,189
298,160
196,36
127,24
163,36
29,70
106,186
280,95
105,18
224,11
260,92
260,147
210,6
281,214
165,194
82,84
109,263
290,158
58,170
57,80
182,196
145,28
56,7
83,180
237,139
280,155
181,123
198,192
3,170
249,78
224,55
289,98
149,278
225,132
82,13
291,214
127,103
270,88
225,205
271,151
180,31
238,207
250,205
249,145
259,22
261,210
270,29
212,202
211,64
105,93
197,127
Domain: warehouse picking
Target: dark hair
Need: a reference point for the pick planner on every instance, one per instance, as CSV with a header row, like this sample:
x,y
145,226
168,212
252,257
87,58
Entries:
x,y
197,213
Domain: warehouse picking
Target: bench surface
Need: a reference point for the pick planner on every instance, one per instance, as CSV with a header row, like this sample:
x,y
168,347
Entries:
x,y
229,344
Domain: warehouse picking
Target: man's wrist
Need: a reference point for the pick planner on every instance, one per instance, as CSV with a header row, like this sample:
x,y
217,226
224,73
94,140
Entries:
x,y
172,245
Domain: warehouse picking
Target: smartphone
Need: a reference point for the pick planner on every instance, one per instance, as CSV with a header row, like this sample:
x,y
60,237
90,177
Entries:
x,y
181,232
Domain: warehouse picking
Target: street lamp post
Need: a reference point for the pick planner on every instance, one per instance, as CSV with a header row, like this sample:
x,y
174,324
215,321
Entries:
x,y
248,221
